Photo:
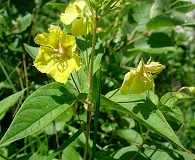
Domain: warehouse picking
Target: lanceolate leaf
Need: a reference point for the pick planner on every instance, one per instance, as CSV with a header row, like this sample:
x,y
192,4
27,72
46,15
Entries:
x,y
171,19
157,8
183,6
32,51
152,154
7,102
39,109
171,98
154,50
129,135
61,6
143,110
97,62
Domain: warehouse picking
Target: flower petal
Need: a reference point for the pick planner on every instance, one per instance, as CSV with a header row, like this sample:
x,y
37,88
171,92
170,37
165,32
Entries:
x,y
59,70
141,83
56,57
71,13
154,67
44,62
62,70
49,39
142,78
80,27
80,4
126,86
68,41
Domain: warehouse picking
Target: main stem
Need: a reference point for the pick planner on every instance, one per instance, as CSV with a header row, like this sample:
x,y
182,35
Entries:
x,y
90,83
92,55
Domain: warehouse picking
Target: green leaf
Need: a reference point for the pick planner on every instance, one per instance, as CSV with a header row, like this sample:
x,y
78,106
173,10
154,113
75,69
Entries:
x,y
183,6
38,110
79,80
170,98
65,116
84,43
153,97
70,154
60,6
155,50
54,127
3,152
140,13
126,152
23,23
173,114
35,156
32,51
153,45
168,154
9,101
108,127
142,109
152,154
82,78
170,19
157,8
130,135
81,140
15,45
97,62
168,106
65,144
160,39
31,156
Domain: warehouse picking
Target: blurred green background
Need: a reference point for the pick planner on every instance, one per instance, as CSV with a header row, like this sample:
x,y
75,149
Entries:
x,y
160,30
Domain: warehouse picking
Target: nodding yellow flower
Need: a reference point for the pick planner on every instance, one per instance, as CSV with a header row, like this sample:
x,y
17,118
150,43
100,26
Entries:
x,y
56,54
80,13
141,79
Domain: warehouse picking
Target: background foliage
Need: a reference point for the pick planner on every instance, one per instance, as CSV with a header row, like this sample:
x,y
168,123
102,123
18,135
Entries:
x,y
158,29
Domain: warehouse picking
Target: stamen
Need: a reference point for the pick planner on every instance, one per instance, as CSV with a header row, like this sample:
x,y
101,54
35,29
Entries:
x,y
58,53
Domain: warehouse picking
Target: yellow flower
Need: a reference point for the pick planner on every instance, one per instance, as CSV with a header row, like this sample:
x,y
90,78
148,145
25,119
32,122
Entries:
x,y
80,13
56,54
140,79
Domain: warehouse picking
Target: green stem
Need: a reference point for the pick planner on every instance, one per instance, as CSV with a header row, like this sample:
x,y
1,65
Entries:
x,y
90,83
92,55
97,108
87,135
